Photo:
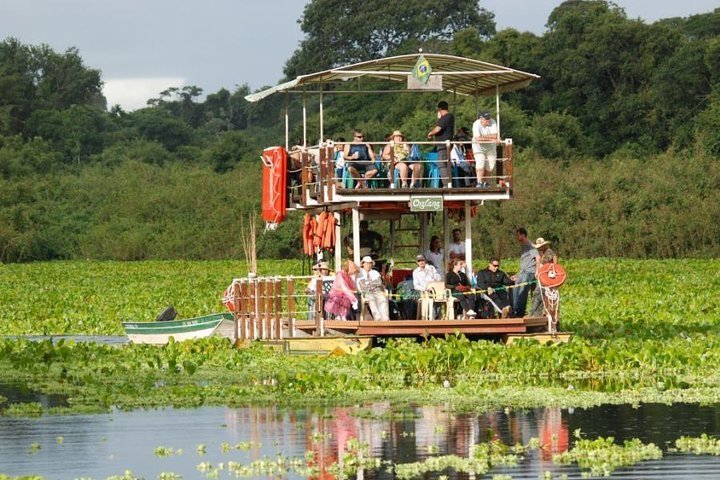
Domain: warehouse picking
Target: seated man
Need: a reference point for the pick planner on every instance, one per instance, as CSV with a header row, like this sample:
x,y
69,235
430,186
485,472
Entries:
x,y
423,275
371,242
495,281
361,160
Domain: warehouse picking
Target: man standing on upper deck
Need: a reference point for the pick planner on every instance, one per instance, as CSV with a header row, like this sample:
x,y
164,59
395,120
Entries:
x,y
442,131
528,254
484,146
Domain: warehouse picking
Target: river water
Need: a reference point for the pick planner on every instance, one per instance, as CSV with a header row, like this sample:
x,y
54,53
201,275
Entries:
x,y
98,446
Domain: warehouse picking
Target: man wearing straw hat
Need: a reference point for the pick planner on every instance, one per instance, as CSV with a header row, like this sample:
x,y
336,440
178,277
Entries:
x,y
371,286
545,255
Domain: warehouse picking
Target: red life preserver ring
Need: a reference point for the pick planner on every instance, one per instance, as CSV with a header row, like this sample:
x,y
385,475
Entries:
x,y
551,275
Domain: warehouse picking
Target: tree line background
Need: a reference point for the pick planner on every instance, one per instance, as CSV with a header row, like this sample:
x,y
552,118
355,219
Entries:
x,y
617,143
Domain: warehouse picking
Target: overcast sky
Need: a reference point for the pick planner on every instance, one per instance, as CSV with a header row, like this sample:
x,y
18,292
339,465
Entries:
x,y
144,46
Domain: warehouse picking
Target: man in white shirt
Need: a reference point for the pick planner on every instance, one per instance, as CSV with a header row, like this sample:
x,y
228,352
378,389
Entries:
x,y
484,145
424,274
456,249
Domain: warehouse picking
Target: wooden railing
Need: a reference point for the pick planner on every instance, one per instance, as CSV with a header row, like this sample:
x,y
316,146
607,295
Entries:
x,y
318,178
266,308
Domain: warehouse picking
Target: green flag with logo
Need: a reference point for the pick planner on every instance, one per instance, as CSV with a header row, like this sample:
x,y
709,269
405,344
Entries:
x,y
422,69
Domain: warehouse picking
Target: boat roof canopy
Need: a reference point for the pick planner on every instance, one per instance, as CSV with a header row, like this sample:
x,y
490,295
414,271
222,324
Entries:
x,y
460,75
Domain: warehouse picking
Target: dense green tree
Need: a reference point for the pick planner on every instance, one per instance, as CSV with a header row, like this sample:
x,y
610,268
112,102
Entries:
x,y
340,31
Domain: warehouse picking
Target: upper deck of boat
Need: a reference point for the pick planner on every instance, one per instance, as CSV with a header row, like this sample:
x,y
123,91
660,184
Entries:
x,y
321,182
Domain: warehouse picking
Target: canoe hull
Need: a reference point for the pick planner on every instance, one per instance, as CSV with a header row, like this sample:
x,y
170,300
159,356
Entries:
x,y
159,333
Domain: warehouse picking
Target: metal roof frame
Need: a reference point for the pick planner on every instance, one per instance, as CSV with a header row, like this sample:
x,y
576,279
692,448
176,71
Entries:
x,y
461,75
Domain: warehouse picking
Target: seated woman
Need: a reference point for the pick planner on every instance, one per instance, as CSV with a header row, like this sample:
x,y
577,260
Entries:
x,y
459,285
361,159
341,300
400,151
371,286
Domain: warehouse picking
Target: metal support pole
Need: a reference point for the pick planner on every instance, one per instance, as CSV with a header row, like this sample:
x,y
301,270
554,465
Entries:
x,y
468,238
356,235
497,107
287,124
338,242
304,120
322,125
446,241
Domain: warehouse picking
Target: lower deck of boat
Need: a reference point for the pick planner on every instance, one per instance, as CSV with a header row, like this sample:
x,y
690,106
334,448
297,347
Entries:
x,y
423,328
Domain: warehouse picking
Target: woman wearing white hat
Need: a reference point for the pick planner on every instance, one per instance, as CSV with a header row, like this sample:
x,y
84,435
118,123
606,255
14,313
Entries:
x,y
545,255
371,286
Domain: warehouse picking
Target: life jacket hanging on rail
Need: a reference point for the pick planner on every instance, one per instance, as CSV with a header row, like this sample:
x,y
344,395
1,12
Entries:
x,y
274,186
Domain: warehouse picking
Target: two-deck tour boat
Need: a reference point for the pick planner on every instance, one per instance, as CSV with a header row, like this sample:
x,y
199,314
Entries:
x,y
308,179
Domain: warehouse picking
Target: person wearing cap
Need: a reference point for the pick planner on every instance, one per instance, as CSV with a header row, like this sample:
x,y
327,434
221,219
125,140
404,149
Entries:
x,y
443,130
544,256
485,133
424,274
528,266
400,150
371,286
361,159
321,272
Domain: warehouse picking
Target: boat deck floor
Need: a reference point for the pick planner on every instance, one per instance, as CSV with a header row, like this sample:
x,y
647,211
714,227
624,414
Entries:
x,y
419,328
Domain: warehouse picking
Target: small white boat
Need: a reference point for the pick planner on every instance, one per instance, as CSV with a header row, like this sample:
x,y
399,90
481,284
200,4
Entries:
x,y
159,333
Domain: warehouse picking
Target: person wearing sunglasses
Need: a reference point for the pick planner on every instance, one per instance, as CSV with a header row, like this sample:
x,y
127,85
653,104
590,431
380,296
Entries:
x,y
361,159
495,281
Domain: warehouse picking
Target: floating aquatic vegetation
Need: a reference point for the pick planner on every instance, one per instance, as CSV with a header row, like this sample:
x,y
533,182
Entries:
x,y
162,452
702,445
169,476
30,409
602,456
201,449
34,448
127,475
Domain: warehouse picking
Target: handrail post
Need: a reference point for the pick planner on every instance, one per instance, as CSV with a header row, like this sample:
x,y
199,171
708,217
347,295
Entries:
x,y
508,154
448,164
278,309
318,306
236,310
291,307
304,178
244,310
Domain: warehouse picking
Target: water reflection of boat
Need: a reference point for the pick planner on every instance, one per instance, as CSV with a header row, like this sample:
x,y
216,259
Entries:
x,y
159,333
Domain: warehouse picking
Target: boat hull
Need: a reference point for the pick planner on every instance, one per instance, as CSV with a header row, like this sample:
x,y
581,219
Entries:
x,y
329,345
159,333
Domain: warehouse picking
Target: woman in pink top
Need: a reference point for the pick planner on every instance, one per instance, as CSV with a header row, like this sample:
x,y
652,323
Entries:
x,y
341,299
